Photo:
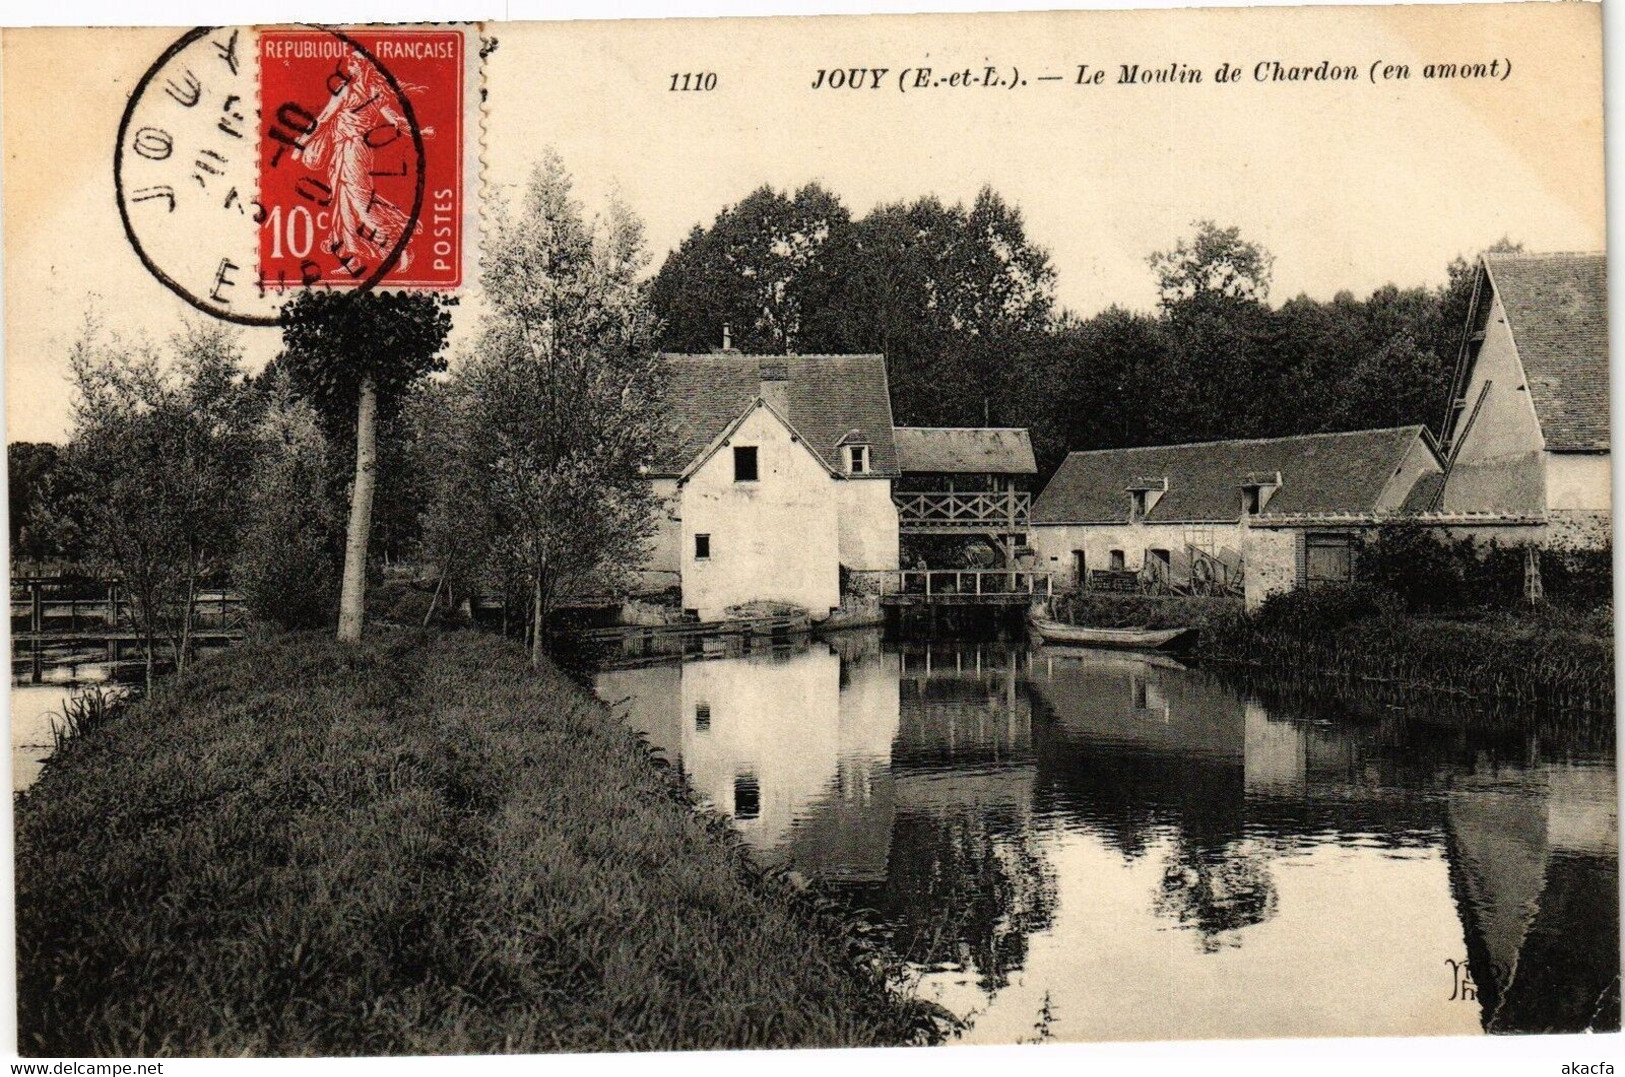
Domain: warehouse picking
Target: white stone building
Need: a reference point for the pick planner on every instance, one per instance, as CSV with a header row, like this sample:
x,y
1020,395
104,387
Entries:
x,y
777,473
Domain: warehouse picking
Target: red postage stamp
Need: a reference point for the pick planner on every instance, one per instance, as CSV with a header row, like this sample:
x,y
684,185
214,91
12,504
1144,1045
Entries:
x,y
361,158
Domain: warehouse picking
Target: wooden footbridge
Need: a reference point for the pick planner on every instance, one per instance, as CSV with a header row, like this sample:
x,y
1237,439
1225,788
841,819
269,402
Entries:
x,y
968,587
56,609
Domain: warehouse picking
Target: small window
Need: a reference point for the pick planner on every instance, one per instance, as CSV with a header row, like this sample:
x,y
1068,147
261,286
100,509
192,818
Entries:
x,y
859,459
1255,499
702,547
1119,563
702,717
1139,503
747,797
745,463
1142,695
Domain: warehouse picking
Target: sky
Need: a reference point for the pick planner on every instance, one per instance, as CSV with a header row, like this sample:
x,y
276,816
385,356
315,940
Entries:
x,y
1351,185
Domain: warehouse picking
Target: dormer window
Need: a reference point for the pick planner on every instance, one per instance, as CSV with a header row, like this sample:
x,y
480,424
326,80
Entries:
x,y
1144,493
1257,487
857,459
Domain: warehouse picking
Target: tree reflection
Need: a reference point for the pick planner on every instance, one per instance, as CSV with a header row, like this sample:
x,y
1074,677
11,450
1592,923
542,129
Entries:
x,y
1215,892
967,889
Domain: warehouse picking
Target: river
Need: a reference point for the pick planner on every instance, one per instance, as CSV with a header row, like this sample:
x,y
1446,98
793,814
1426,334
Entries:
x,y
1086,845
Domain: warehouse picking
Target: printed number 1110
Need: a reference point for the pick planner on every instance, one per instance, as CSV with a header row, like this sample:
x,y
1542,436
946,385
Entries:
x,y
695,81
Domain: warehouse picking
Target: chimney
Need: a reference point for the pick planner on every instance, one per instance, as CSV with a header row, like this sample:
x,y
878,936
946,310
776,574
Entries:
x,y
773,372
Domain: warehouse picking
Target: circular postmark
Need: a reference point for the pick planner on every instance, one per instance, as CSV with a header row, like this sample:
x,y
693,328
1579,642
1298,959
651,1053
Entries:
x,y
254,164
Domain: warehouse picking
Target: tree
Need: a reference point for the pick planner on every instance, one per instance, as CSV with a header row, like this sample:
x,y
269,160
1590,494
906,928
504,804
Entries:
x,y
946,293
160,452
1214,262
44,523
352,355
285,564
559,404
759,270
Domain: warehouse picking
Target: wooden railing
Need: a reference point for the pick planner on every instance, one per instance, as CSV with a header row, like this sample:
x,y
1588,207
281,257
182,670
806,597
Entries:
x,y
969,586
54,608
935,511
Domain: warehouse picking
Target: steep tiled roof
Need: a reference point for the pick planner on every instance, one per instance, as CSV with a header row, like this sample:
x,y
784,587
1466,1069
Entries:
x,y
825,397
1326,473
941,450
1424,492
1557,306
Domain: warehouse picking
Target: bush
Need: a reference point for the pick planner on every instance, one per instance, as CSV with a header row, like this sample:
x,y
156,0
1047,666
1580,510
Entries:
x,y
1323,611
1432,573
286,562
1543,659
1109,610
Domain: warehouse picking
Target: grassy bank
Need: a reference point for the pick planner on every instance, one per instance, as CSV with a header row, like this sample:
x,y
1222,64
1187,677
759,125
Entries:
x,y
1548,658
416,846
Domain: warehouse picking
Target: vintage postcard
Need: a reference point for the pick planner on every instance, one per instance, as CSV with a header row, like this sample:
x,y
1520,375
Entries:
x,y
677,534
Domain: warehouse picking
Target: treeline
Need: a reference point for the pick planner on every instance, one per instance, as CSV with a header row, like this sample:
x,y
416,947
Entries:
x,y
962,303
514,467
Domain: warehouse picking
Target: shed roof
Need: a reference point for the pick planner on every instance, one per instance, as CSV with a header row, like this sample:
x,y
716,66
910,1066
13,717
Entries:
x,y
941,450
1321,473
826,398
1557,308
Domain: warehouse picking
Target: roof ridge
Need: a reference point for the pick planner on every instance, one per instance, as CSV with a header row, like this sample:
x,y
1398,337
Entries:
x,y
770,355
1017,429
1503,256
1248,441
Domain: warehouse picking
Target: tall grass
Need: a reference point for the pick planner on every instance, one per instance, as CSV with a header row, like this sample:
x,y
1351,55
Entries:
x,y
1360,634
416,846
87,710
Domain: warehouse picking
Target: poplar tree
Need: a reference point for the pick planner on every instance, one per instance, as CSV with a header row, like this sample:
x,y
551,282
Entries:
x,y
353,356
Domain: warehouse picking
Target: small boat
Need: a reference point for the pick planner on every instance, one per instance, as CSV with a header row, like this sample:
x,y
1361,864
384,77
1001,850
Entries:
x,y
1138,639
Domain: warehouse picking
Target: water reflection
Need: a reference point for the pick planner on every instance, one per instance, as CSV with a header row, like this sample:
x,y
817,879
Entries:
x,y
44,674
1141,851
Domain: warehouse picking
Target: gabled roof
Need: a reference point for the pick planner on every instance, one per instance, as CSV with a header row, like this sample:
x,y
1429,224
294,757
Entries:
x,y
1320,473
1557,308
939,450
727,432
825,398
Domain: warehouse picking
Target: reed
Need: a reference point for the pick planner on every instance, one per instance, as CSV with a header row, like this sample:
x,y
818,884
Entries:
x,y
1355,635
87,710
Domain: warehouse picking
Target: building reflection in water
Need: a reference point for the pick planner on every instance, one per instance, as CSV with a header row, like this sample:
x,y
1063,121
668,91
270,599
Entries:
x,y
1152,854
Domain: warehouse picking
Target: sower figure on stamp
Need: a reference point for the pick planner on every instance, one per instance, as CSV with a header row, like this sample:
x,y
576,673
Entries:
x,y
359,121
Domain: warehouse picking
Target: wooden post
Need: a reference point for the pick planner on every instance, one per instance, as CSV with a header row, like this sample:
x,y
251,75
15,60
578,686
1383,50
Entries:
x,y
36,615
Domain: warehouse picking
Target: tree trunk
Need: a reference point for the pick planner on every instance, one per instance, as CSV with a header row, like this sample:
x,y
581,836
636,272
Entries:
x,y
352,599
536,637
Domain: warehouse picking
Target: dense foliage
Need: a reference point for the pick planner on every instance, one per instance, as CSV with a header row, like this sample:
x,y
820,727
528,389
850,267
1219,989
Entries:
x,y
162,446
961,302
1429,573
1534,662
554,415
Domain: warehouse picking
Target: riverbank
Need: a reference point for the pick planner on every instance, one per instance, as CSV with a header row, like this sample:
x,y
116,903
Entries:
x,y
416,846
1541,657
